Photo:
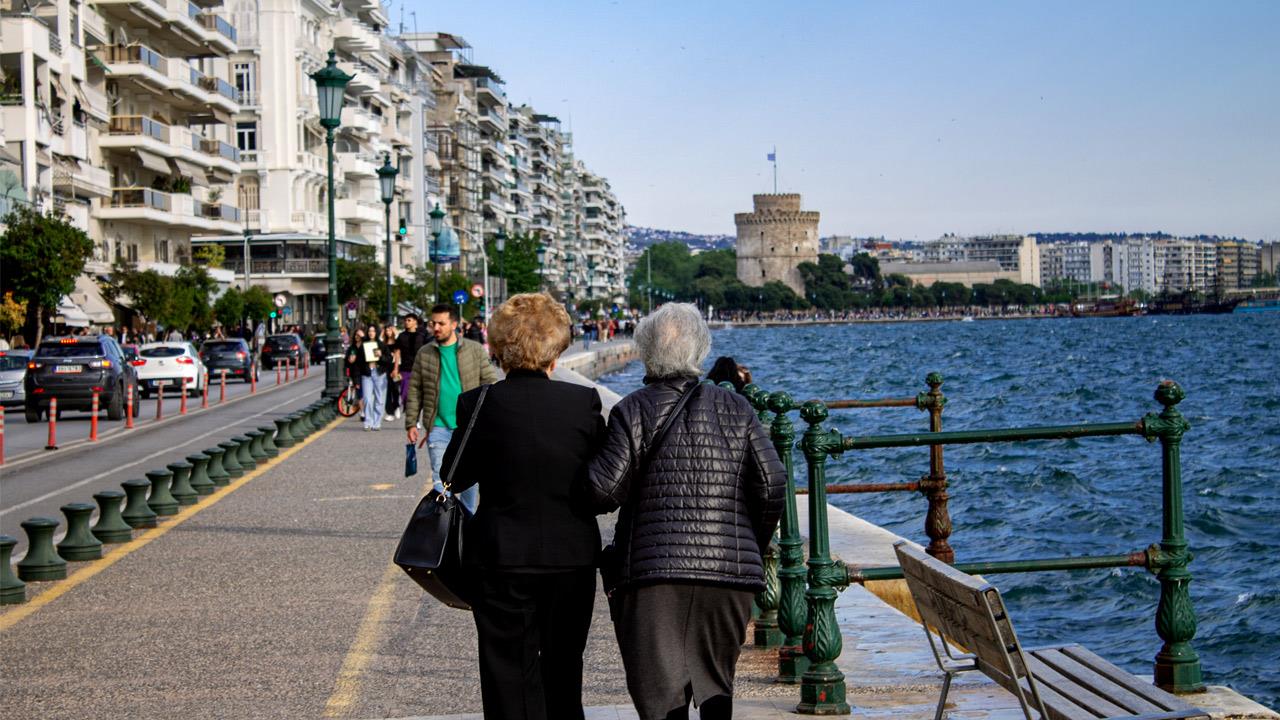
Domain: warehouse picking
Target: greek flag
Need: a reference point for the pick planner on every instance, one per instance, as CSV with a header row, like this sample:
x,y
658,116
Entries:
x,y
773,157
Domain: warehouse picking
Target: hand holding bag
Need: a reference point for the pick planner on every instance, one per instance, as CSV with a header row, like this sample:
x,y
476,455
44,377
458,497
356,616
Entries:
x,y
410,460
430,549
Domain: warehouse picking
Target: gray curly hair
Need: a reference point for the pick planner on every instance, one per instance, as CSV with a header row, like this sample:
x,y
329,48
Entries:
x,y
673,341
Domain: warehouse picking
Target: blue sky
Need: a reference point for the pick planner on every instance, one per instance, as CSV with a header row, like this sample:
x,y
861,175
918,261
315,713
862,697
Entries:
x,y
907,119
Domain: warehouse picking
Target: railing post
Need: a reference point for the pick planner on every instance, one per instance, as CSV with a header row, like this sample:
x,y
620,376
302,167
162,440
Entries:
x,y
791,658
822,690
1177,665
937,521
767,633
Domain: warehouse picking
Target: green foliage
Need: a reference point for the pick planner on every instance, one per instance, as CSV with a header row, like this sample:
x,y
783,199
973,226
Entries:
x,y
40,257
180,301
210,256
1264,279
229,308
360,276
519,263
827,286
258,303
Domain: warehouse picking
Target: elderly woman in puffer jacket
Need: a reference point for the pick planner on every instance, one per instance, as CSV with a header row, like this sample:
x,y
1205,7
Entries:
x,y
698,508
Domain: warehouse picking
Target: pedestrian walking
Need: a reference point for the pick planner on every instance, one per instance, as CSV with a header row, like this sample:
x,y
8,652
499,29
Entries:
x,y
442,371
408,343
695,519
370,361
393,379
475,331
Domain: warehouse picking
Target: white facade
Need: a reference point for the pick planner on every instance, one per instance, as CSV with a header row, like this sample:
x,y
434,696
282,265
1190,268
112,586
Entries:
x,y
1014,253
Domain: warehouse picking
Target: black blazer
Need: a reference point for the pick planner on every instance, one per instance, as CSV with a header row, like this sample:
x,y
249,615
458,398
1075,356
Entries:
x,y
529,450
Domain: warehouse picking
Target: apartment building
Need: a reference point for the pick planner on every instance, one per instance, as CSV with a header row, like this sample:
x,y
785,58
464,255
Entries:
x,y
1185,265
1238,263
284,186
1013,253
1068,262
1269,257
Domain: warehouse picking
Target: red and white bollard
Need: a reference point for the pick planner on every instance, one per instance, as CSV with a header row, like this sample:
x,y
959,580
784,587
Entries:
x,y
204,394
1,434
182,399
128,408
93,418
222,391
53,425
295,368
159,400
253,381
277,374
306,366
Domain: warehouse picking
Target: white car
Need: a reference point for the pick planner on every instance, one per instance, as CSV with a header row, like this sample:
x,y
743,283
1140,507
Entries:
x,y
168,363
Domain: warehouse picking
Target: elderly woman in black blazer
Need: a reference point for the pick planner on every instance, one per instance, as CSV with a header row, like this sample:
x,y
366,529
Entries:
x,y
535,549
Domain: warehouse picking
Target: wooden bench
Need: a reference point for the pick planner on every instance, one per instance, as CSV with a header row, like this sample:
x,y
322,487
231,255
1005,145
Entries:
x,y
1065,682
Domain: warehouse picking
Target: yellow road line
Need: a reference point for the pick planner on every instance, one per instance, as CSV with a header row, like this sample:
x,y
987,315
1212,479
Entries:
x,y
119,552
347,687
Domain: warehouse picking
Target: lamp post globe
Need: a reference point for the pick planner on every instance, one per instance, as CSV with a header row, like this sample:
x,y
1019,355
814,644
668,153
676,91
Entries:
x,y
500,243
542,258
331,84
387,183
437,228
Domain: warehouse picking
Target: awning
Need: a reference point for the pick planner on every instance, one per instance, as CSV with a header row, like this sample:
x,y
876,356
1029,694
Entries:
x,y
189,169
89,298
69,313
433,160
152,161
92,103
8,157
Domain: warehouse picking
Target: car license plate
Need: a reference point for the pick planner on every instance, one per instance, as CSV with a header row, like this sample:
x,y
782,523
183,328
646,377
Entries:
x,y
60,369
6,394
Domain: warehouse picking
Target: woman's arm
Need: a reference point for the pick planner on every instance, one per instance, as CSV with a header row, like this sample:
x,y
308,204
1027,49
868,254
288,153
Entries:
x,y
609,473
465,475
765,481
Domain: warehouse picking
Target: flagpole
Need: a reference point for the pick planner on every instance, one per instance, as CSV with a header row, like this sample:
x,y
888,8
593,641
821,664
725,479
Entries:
x,y
775,169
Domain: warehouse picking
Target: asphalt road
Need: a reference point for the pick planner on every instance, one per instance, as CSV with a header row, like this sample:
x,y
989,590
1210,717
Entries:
x,y
38,482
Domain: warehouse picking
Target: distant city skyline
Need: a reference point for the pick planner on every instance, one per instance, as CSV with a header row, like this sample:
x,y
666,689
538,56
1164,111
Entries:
x,y
907,120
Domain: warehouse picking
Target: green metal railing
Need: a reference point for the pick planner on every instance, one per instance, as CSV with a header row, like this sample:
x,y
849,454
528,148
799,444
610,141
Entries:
x,y
1176,667
781,620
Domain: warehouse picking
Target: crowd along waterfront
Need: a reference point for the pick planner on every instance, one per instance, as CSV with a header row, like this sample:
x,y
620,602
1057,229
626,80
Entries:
x,y
1070,497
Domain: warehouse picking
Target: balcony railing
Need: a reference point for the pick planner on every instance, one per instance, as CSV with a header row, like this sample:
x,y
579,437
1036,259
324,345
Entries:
x,y
315,266
55,42
219,86
140,198
219,211
138,125
135,55
247,97
220,149
209,21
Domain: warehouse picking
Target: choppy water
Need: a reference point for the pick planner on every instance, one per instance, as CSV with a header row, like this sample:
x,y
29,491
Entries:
x,y
1078,497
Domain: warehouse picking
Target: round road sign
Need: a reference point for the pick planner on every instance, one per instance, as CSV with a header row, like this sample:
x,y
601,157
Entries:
x,y
281,301
460,297
477,291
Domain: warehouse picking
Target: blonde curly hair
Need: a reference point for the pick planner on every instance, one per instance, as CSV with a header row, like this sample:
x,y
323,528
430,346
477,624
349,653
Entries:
x,y
528,332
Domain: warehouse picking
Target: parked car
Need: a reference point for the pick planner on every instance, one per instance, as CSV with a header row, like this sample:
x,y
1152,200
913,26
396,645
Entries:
x,y
169,363
232,355
13,368
277,348
72,369
130,352
318,350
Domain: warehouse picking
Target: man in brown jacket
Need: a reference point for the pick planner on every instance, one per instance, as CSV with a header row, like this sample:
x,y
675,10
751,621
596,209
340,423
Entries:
x,y
442,371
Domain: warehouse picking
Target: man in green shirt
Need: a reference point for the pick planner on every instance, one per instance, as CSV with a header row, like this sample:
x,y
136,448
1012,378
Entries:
x,y
442,371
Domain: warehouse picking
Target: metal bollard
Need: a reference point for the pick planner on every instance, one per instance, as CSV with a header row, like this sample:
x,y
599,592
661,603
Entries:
x,y
111,527
93,418
137,514
159,401
283,438
181,487
792,661
268,441
217,475
256,451
277,374
53,425
222,389
42,561
161,500
822,688
200,481
182,401
204,394
229,461
243,456
128,408
306,366
2,436
12,590
294,363
296,427
79,543
253,382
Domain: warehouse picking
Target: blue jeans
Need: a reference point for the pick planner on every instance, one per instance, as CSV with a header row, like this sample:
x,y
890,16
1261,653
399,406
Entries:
x,y
374,390
437,441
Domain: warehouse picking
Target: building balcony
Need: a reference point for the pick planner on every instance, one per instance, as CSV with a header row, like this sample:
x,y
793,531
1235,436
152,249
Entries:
x,y
364,81
361,120
494,120
139,64
490,91
353,36
312,163
355,166
144,135
281,266
131,13
82,179
351,209
174,210
218,32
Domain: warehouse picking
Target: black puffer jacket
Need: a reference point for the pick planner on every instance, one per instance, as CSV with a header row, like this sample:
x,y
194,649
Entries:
x,y
712,493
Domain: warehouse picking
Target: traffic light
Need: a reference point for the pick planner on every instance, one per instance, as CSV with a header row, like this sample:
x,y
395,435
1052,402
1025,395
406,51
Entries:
x,y
273,314
404,228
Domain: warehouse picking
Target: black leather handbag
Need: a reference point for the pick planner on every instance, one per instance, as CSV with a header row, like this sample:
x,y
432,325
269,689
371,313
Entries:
x,y
430,549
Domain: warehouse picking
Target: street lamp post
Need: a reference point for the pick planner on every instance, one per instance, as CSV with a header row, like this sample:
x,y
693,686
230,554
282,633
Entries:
x,y
244,254
387,180
542,258
437,227
568,283
331,84
500,242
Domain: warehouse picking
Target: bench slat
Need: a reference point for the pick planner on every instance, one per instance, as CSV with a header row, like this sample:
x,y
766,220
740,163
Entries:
x,y
1150,692
1094,700
1118,693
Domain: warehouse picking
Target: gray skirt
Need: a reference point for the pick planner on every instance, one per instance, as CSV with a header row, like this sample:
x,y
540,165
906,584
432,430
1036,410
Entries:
x,y
679,642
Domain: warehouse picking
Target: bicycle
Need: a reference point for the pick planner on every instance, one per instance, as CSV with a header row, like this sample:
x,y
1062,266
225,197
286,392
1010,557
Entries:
x,y
349,399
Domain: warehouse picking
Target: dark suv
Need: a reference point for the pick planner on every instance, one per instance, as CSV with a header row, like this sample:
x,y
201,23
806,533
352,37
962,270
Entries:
x,y
71,369
232,355
277,348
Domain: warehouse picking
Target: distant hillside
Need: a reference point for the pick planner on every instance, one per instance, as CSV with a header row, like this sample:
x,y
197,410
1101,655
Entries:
x,y
643,237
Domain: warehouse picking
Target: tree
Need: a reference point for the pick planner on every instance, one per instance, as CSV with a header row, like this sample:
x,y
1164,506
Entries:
x,y
12,315
257,303
519,263
865,267
229,308
149,292
360,276
41,255
210,256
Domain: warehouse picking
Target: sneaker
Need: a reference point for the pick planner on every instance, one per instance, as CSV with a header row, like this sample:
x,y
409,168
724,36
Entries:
x,y
367,428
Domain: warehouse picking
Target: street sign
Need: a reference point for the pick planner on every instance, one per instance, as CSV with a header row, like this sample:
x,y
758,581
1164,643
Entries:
x,y
287,310
281,301
351,307
477,291
615,308
460,297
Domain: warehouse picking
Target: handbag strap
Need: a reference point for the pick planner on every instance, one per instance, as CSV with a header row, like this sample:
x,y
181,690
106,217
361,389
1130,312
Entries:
x,y
484,390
